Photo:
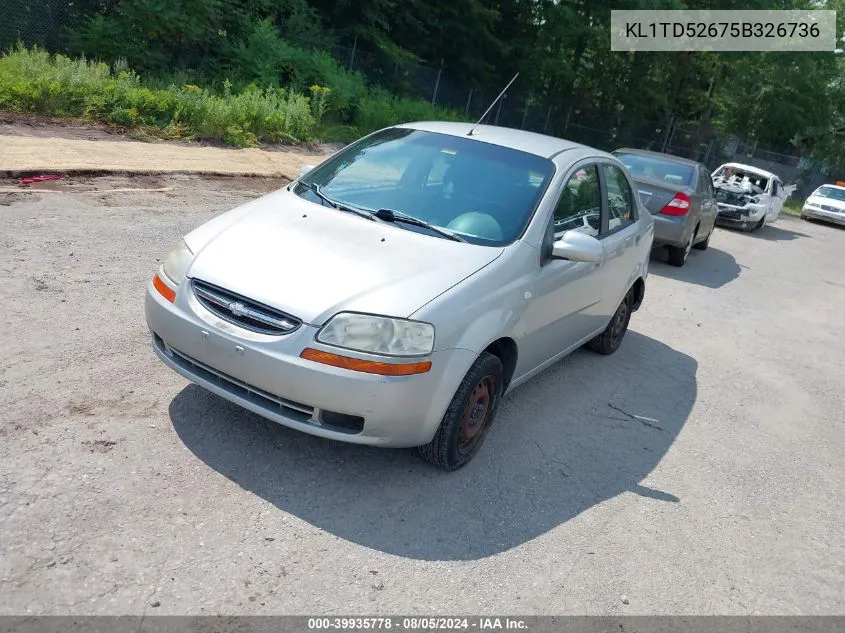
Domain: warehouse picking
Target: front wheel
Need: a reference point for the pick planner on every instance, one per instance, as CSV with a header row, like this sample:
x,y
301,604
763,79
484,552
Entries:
x,y
468,418
609,341
760,224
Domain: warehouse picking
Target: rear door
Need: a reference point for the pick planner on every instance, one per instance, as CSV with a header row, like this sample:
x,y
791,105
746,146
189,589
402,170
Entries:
x,y
619,236
709,209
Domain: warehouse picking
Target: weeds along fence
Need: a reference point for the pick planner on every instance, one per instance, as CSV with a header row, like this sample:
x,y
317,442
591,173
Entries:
x,y
43,23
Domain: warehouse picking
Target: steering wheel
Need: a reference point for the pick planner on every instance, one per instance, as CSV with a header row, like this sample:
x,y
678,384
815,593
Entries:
x,y
481,225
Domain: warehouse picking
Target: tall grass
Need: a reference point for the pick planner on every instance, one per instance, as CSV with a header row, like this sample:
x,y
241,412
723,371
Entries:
x,y
31,80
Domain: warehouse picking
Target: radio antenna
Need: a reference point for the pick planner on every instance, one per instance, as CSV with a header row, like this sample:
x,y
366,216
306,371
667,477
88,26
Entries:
x,y
495,101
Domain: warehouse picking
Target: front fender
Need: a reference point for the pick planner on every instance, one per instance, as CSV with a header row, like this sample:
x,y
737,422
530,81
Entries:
x,y
488,328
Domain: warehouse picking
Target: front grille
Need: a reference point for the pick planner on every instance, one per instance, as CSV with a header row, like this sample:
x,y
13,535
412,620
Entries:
x,y
243,312
733,215
827,207
264,399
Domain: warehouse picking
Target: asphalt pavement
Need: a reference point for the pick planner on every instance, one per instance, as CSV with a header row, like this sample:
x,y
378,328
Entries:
x,y
699,470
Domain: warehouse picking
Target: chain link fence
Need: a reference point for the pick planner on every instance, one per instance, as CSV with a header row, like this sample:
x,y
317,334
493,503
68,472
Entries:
x,y
44,23
522,110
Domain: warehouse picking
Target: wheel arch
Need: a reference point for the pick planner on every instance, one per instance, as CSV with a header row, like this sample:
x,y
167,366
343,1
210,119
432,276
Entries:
x,y
506,350
638,288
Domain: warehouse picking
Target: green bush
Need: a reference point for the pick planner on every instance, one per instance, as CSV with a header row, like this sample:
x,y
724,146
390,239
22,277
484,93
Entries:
x,y
380,109
31,80
267,59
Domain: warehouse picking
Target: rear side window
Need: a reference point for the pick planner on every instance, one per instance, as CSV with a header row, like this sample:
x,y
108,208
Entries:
x,y
620,199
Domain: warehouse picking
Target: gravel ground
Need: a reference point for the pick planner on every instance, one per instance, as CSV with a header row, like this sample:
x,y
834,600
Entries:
x,y
126,490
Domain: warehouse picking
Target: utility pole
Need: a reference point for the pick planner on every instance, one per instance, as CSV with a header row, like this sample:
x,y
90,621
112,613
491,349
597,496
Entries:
x,y
437,83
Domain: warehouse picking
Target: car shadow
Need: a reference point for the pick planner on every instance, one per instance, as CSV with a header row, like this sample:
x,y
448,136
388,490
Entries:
x,y
841,227
712,268
772,233
586,430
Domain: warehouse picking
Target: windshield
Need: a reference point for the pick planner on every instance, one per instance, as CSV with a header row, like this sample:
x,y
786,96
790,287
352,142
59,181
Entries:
x,y
747,179
484,193
831,192
662,170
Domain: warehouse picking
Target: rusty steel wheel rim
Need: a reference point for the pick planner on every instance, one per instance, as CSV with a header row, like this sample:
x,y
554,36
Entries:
x,y
476,414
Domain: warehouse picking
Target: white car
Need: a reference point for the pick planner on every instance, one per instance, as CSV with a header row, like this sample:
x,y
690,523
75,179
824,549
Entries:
x,y
748,197
826,203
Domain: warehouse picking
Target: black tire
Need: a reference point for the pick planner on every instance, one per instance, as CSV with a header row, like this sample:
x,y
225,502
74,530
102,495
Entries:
x,y
609,341
702,246
458,437
678,254
760,224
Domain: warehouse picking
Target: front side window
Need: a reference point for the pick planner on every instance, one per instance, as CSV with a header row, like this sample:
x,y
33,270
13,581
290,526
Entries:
x,y
579,205
484,193
620,199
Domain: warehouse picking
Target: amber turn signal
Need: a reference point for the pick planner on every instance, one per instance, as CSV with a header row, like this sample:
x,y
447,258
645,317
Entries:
x,y
164,290
368,366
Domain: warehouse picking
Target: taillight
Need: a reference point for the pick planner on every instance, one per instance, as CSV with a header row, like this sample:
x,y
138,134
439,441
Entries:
x,y
679,205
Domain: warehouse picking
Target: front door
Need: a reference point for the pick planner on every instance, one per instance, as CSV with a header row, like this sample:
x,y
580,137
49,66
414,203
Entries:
x,y
566,305
777,199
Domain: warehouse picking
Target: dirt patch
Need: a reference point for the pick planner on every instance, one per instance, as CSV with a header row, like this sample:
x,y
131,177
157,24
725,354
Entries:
x,y
39,126
23,155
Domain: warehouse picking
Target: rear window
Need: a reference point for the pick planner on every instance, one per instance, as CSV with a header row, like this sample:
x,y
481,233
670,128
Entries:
x,y
659,169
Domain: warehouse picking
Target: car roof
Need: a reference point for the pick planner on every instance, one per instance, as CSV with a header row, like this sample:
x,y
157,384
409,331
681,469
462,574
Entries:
x,y
530,142
834,186
671,157
752,169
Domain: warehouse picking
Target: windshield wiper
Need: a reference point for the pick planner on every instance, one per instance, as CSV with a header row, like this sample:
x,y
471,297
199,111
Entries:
x,y
335,204
389,215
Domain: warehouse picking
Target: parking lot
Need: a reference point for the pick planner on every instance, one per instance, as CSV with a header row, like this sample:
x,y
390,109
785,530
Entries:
x,y
697,471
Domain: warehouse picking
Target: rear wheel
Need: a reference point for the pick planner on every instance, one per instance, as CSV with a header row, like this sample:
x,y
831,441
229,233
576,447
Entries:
x,y
702,246
609,341
468,418
678,254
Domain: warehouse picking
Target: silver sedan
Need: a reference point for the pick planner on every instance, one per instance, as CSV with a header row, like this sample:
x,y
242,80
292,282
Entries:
x,y
393,294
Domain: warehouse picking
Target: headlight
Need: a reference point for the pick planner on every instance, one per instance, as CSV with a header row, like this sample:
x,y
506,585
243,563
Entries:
x,y
177,262
378,335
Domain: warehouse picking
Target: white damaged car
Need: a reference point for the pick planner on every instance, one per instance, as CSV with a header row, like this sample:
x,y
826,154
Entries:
x,y
747,197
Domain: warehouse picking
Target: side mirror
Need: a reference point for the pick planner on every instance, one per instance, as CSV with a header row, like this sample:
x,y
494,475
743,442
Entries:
x,y
304,170
578,247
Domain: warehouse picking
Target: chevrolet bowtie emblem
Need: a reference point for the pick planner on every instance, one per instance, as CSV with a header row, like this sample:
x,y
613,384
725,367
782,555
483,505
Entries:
x,y
237,308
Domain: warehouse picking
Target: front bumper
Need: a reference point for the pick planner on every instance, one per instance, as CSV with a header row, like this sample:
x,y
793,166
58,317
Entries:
x,y
821,214
265,374
738,217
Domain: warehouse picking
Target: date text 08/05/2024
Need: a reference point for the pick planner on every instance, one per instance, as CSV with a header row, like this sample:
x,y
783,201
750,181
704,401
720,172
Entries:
x,y
418,623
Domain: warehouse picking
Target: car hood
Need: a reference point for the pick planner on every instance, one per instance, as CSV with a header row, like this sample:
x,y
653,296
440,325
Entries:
x,y
832,203
313,261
